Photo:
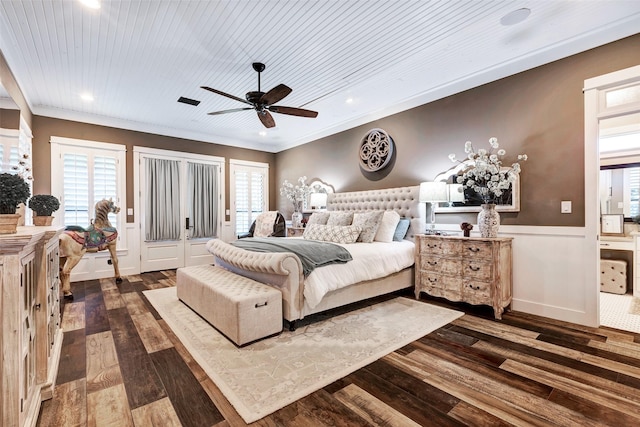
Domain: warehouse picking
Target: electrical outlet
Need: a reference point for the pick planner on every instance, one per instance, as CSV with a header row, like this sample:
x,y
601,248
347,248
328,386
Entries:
x,y
565,206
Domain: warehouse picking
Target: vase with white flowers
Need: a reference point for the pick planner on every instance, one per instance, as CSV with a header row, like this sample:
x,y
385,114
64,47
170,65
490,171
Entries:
x,y
489,181
296,194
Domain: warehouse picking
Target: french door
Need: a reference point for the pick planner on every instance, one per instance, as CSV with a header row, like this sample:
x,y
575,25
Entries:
x,y
180,207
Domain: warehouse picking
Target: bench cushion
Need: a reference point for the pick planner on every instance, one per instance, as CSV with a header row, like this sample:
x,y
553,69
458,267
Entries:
x,y
613,276
243,309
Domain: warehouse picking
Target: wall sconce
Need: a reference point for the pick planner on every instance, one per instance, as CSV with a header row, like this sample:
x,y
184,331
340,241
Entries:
x,y
432,193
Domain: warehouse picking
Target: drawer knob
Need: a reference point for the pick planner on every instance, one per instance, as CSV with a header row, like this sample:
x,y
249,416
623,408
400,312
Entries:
x,y
432,279
474,268
473,249
432,262
432,245
477,288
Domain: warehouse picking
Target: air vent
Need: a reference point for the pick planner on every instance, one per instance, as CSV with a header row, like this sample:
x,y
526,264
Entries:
x,y
188,101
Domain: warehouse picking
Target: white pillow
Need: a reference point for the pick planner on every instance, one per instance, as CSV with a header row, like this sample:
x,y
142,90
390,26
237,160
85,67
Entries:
x,y
387,228
332,233
369,222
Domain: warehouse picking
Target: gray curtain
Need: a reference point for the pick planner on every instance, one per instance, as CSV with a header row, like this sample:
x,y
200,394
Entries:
x,y
162,200
203,200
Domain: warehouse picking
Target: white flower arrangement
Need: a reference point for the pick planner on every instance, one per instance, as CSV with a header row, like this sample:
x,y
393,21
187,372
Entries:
x,y
296,193
486,177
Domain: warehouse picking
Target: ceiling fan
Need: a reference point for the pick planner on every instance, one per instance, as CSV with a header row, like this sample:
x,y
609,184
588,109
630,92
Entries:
x,y
263,102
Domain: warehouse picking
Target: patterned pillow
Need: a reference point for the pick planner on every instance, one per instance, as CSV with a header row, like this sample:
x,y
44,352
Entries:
x,y
264,224
369,222
401,229
332,233
340,218
390,220
318,218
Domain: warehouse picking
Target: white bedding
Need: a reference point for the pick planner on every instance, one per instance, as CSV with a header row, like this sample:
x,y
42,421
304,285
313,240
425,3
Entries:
x,y
370,261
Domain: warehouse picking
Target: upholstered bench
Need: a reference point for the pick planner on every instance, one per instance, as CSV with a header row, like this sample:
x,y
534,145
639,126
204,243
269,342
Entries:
x,y
241,308
613,276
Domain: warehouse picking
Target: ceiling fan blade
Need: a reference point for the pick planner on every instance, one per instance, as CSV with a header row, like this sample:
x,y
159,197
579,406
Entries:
x,y
292,111
275,94
225,94
233,110
266,118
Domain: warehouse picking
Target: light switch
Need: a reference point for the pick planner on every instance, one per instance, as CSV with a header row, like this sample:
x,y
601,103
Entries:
x,y
565,206
129,211
620,205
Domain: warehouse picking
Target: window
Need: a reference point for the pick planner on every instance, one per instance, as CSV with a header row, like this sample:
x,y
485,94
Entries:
x,y
250,192
91,171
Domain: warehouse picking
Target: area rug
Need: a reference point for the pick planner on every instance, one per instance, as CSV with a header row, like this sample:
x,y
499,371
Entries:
x,y
268,375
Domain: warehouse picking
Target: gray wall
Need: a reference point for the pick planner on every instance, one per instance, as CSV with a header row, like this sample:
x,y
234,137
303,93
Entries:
x,y
539,112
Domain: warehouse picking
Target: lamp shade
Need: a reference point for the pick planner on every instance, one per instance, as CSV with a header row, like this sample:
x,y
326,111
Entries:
x,y
318,200
456,193
433,192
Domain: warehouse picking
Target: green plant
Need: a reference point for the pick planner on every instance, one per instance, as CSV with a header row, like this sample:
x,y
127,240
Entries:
x,y
44,204
13,191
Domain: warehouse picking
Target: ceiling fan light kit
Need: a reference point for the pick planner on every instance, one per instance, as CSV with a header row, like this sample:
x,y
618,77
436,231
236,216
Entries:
x,y
263,102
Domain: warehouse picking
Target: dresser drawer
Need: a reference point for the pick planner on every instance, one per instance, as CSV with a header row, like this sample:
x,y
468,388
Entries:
x,y
477,269
436,264
440,247
439,281
476,292
476,249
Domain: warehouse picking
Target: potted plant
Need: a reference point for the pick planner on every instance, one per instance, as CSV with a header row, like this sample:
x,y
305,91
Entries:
x,y
13,191
43,205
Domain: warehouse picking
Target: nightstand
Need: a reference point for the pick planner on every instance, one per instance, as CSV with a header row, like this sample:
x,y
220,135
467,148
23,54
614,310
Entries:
x,y
295,231
473,270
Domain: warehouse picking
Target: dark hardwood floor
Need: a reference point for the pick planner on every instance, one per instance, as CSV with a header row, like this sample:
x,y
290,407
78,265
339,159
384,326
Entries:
x,y
122,366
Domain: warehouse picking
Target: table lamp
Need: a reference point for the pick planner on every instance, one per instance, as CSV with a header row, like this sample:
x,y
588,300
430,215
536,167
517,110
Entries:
x,y
432,193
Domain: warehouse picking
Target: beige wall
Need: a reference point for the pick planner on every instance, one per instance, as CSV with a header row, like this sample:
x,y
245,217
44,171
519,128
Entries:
x,y
538,112
44,128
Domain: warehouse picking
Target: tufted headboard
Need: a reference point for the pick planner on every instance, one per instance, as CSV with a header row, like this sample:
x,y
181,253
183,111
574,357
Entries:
x,y
403,200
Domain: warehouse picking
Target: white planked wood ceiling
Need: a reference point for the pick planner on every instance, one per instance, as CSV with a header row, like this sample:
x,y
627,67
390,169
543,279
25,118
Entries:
x,y
137,58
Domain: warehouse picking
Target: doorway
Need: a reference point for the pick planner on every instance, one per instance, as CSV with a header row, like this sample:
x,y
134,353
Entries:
x,y
179,201
612,167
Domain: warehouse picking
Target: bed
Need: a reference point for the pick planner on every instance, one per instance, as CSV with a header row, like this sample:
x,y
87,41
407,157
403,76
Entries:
x,y
284,270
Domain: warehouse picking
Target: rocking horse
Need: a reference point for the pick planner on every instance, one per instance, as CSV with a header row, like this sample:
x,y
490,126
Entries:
x,y
75,241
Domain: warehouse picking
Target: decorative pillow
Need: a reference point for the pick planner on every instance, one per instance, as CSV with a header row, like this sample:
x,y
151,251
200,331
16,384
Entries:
x,y
340,218
387,229
401,229
318,218
369,222
264,224
332,233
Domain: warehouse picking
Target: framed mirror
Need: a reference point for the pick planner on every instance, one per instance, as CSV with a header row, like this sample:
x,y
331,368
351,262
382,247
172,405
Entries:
x,y
470,202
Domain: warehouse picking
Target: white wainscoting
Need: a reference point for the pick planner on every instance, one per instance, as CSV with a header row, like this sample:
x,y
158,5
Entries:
x,y
550,273
96,265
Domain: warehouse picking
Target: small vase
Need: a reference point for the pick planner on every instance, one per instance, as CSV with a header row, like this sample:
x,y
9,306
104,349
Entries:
x,y
488,220
296,218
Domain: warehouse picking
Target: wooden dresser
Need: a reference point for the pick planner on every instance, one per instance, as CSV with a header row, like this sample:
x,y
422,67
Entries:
x,y
473,270
31,338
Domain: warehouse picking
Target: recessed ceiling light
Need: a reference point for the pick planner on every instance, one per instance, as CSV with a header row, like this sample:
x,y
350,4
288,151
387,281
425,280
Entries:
x,y
515,17
349,100
263,133
92,4
86,97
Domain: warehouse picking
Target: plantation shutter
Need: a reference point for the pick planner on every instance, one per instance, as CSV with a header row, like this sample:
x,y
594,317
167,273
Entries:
x,y
634,184
87,180
249,197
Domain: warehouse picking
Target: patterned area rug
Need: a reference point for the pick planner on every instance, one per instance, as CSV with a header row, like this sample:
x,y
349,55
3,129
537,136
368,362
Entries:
x,y
265,376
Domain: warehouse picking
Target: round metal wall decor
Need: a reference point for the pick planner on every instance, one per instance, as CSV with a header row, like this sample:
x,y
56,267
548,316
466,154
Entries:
x,y
376,150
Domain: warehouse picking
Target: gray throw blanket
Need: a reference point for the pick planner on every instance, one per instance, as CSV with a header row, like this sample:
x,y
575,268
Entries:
x,y
312,253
